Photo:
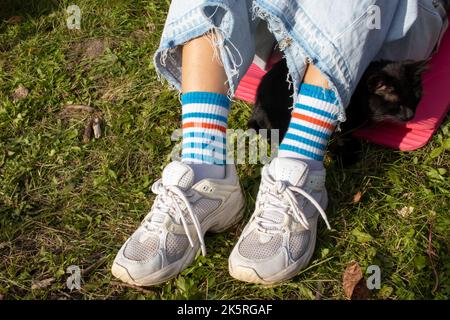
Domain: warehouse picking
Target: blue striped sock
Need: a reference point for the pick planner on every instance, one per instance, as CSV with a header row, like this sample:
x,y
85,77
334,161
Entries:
x,y
314,119
205,117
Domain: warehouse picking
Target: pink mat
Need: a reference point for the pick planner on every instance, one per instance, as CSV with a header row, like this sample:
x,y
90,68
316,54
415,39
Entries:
x,y
412,135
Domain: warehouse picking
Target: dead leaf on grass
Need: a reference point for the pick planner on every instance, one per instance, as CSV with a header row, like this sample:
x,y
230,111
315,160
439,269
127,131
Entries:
x,y
357,197
20,93
42,284
93,123
87,133
354,283
96,126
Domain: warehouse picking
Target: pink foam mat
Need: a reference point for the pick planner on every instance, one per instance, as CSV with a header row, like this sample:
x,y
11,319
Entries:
x,y
412,135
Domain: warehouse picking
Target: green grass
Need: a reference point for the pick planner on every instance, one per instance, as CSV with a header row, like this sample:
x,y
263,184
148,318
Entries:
x,y
66,203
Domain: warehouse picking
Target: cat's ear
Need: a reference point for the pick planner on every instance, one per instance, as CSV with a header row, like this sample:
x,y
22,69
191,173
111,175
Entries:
x,y
414,71
378,84
417,68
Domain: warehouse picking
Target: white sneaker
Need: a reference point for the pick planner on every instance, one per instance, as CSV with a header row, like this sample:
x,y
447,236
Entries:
x,y
172,233
280,237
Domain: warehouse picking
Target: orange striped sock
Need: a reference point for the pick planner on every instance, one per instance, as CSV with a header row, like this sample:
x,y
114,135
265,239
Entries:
x,y
314,119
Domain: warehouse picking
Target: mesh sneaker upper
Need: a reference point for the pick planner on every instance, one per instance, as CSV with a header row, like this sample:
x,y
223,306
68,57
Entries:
x,y
251,247
298,243
176,245
141,251
203,207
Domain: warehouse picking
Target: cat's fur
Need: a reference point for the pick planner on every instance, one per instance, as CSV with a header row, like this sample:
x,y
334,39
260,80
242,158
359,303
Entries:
x,y
388,91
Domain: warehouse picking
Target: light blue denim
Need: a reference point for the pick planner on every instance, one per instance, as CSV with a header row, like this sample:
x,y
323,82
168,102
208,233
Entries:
x,y
340,37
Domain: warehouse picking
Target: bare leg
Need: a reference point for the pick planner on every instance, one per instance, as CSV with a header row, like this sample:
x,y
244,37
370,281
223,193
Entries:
x,y
314,119
200,71
204,77
315,78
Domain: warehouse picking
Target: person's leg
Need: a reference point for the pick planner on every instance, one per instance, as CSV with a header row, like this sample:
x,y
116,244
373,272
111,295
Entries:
x,y
315,78
205,108
199,194
280,238
201,68
314,119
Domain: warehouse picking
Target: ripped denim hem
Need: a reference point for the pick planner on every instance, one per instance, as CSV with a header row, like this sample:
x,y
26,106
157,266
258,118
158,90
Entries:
x,y
167,58
297,50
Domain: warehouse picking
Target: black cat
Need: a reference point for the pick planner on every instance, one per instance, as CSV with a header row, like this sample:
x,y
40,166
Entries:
x,y
387,91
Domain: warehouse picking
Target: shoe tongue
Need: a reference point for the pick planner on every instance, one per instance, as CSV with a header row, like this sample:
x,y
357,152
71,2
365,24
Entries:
x,y
178,174
289,170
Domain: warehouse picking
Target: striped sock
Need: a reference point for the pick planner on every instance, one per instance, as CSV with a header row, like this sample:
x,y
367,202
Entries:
x,y
205,117
314,119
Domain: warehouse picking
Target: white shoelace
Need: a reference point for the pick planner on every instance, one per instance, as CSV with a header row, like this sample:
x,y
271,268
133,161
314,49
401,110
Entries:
x,y
167,203
272,205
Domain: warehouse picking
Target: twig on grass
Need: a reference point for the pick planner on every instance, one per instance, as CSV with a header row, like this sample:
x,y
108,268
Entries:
x,y
140,289
86,272
431,254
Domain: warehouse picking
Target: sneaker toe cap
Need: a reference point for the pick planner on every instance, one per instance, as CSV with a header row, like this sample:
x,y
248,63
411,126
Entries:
x,y
132,271
257,270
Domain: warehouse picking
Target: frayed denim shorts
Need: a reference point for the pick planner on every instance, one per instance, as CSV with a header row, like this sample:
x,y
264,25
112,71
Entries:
x,y
340,38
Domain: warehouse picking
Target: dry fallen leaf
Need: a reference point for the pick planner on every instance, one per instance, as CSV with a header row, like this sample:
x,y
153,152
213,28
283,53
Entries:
x,y
20,93
360,292
42,283
357,197
405,212
96,126
88,130
93,128
352,275
354,283
94,119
